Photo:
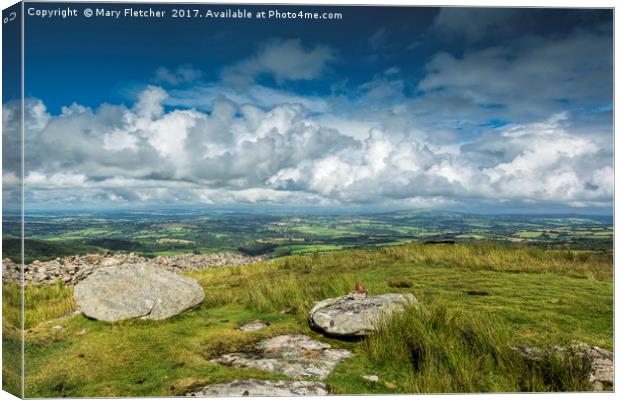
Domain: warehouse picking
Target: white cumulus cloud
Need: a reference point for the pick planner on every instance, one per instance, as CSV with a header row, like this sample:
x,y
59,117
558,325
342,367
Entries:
x,y
239,153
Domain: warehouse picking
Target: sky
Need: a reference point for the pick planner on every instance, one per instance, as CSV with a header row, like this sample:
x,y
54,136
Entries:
x,y
476,109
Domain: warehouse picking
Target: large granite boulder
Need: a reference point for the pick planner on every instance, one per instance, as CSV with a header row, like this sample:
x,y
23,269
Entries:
x,y
297,356
262,388
356,314
136,291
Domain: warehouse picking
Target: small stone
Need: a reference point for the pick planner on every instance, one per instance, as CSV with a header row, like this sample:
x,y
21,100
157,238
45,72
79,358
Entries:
x,y
371,378
254,326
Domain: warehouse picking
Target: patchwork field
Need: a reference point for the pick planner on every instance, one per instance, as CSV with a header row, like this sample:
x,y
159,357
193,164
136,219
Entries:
x,y
171,231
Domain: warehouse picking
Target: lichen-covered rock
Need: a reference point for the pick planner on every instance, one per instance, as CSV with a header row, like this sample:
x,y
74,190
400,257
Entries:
x,y
136,291
298,356
602,361
602,366
262,388
356,314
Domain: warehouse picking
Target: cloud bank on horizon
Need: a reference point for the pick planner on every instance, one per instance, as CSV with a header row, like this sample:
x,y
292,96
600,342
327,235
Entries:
x,y
506,119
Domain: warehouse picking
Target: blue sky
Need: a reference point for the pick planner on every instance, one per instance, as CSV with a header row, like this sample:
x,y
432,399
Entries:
x,y
483,109
361,39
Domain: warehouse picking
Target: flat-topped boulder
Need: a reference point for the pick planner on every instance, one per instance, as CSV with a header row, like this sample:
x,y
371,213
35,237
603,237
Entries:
x,y
254,387
356,314
298,356
136,291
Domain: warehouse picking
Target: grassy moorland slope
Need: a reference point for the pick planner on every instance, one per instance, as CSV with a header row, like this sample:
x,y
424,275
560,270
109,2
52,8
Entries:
x,y
478,301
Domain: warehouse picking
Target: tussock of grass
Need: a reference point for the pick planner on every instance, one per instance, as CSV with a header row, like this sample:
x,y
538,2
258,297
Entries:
x,y
46,302
11,305
438,349
556,372
41,303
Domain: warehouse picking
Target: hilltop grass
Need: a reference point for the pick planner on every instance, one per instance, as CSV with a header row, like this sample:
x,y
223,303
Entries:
x,y
478,301
11,339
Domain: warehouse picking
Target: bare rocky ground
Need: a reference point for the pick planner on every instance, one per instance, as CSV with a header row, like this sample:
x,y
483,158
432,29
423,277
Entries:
x,y
73,269
262,388
298,356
